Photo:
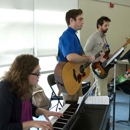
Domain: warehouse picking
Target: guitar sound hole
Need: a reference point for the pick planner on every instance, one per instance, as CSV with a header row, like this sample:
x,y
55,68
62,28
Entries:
x,y
81,69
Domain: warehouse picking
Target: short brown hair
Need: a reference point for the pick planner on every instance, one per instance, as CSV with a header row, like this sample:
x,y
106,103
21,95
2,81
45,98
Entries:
x,y
73,13
101,20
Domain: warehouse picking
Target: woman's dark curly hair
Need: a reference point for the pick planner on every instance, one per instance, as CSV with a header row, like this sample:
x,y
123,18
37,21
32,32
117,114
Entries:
x,y
18,74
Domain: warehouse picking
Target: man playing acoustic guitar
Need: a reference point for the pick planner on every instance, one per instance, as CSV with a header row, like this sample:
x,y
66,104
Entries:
x,y
95,43
70,49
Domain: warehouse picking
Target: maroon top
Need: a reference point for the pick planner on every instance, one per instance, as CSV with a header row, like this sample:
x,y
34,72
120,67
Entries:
x,y
26,111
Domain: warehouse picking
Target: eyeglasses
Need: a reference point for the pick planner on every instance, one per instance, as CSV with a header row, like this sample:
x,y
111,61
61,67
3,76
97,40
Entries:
x,y
36,74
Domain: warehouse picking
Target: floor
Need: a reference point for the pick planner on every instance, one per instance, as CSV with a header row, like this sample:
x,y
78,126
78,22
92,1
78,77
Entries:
x,y
121,111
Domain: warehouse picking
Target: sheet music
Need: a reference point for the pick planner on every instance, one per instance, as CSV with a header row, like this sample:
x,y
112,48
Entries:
x,y
80,99
97,100
125,61
114,56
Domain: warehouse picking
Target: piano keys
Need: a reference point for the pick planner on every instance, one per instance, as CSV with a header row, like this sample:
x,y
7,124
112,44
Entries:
x,y
83,117
68,111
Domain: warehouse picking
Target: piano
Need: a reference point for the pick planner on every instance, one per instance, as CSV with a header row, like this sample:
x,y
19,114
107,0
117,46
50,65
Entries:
x,y
83,116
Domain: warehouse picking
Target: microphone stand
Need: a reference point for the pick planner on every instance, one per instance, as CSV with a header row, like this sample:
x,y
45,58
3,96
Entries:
x,y
114,94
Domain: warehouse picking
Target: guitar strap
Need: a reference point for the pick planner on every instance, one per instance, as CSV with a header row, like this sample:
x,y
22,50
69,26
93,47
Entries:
x,y
104,41
80,44
104,47
82,49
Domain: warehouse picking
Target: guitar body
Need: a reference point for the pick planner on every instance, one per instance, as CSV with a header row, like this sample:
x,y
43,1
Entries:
x,y
99,70
70,76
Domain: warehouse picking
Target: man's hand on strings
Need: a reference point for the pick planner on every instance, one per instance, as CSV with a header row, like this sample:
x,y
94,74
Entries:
x,y
102,54
100,58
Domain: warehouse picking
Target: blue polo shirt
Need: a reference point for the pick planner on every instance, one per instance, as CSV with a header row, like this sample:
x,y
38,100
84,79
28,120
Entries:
x,y
68,43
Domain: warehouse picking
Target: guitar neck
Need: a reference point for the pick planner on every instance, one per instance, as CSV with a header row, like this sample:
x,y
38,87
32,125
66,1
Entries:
x,y
88,63
124,46
97,55
114,56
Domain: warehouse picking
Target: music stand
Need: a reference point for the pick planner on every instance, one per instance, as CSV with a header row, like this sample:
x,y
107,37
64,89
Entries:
x,y
114,94
113,59
126,55
86,95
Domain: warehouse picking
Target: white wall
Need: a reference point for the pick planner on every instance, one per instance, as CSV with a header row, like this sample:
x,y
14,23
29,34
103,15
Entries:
x,y
120,21
118,31
119,2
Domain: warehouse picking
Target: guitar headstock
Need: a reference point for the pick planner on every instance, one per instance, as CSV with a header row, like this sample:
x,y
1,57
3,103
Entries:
x,y
128,40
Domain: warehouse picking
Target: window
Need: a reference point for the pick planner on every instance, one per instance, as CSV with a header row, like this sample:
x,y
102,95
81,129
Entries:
x,y
32,27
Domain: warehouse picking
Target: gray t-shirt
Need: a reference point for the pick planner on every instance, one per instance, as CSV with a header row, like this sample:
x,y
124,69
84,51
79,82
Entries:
x,y
95,43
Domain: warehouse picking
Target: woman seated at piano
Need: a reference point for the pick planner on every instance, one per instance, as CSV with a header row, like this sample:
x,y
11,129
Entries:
x,y
16,108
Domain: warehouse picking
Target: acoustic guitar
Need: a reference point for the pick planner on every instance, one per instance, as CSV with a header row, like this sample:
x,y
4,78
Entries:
x,y
102,69
69,76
